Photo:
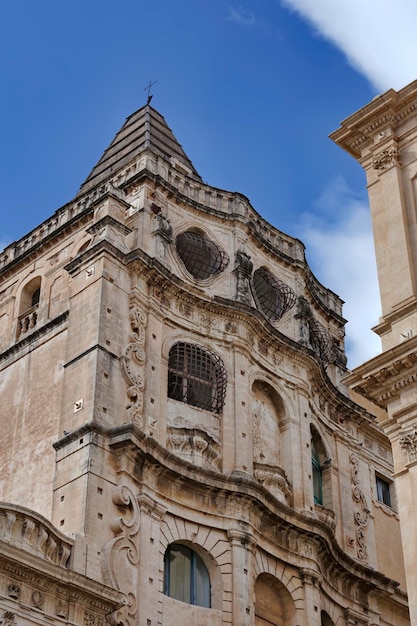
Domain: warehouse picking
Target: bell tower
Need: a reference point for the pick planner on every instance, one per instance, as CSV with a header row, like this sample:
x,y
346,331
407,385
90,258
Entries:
x,y
382,137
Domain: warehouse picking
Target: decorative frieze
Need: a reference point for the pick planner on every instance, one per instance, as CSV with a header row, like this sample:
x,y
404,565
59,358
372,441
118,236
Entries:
x,y
194,445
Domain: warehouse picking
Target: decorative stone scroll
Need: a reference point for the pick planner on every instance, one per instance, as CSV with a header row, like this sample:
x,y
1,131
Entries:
x,y
386,158
409,443
362,514
120,555
132,363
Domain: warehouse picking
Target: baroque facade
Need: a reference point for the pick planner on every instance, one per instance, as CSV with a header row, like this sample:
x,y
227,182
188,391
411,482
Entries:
x,y
178,443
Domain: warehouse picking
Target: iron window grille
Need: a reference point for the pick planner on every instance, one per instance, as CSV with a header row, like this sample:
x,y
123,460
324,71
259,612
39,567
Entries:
x,y
186,577
201,256
196,376
321,341
272,296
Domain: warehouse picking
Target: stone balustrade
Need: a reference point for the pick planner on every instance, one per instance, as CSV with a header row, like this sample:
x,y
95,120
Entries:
x,y
27,321
32,533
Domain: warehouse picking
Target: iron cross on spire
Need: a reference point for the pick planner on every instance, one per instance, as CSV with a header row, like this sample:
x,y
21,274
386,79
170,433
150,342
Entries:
x,y
148,88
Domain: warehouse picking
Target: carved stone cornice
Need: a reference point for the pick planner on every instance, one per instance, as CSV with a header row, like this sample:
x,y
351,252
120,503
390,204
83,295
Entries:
x,y
389,109
386,376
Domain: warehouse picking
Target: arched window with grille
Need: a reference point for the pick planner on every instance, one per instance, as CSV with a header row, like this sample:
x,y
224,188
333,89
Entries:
x,y
186,577
196,376
201,256
272,296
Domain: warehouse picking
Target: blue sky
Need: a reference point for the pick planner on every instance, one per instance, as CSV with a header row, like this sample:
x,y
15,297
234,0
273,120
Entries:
x,y
251,90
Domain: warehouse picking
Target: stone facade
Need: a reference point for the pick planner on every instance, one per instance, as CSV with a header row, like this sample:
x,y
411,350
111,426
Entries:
x,y
383,138
177,434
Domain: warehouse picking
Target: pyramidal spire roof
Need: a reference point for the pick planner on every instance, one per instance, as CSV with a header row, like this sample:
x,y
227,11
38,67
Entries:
x,y
146,129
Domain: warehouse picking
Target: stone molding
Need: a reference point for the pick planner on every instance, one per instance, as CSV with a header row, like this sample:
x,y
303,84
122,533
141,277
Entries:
x,y
387,375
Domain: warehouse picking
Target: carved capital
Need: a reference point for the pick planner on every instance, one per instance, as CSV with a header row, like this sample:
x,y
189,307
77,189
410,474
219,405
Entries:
x,y
409,443
386,158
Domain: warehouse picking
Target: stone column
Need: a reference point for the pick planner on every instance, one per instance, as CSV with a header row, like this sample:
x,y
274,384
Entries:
x,y
243,545
311,581
149,590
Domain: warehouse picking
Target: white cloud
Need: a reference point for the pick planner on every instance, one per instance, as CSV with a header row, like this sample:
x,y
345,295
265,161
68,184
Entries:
x,y
378,37
240,16
339,247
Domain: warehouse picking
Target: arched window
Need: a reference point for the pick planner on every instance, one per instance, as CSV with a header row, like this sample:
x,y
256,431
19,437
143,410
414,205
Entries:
x,y
201,256
185,576
317,476
196,376
28,306
325,619
273,297
274,605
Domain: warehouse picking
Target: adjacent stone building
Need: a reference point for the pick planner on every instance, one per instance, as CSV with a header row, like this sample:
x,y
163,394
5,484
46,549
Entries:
x,y
178,445
383,138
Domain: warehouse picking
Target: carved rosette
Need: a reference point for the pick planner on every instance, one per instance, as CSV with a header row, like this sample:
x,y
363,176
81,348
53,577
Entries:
x,y
120,555
8,619
409,443
361,515
132,363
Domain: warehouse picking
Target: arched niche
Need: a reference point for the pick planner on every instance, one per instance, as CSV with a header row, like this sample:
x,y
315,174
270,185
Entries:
x,y
273,603
267,442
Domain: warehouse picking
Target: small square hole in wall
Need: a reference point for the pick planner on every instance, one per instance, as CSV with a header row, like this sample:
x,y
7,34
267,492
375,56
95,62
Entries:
x,y
62,498
100,515
81,440
99,491
62,522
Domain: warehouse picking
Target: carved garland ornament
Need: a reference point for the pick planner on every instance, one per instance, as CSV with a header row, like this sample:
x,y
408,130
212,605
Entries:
x,y
360,516
121,554
132,364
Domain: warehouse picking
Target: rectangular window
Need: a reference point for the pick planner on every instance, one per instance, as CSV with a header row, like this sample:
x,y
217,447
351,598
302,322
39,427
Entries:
x,y
383,490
